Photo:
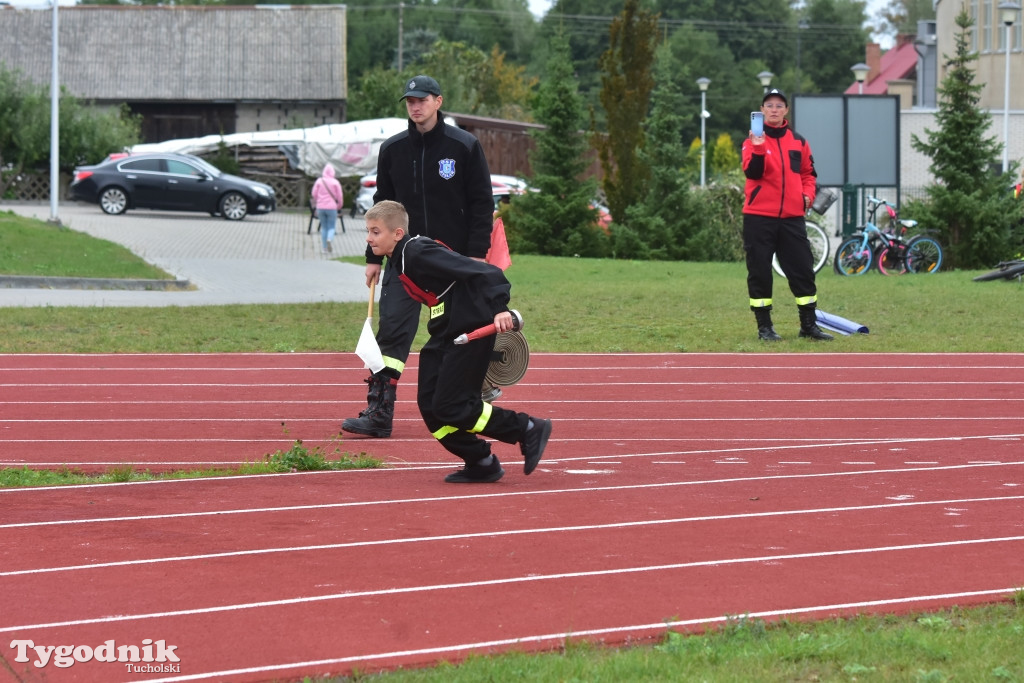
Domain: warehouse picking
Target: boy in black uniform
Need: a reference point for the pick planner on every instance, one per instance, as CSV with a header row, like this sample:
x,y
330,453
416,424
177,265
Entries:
x,y
462,294
439,174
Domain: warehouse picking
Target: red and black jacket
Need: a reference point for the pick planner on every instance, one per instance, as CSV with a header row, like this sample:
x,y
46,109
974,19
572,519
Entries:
x,y
780,173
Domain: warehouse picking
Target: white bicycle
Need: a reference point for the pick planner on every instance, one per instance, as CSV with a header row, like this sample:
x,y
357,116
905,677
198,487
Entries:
x,y
820,248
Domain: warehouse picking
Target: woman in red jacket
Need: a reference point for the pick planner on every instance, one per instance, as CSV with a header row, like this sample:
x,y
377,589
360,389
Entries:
x,y
781,183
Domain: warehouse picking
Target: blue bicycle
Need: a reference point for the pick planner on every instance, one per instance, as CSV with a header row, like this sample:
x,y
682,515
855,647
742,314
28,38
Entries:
x,y
891,252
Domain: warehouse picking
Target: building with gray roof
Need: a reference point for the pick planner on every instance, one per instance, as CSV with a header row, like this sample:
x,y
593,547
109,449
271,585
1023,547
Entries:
x,y
191,70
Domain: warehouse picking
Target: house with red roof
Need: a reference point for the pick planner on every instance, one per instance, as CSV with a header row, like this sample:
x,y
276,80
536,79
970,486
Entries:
x,y
891,73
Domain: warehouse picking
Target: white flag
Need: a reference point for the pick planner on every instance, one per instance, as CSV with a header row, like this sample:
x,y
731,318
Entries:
x,y
368,350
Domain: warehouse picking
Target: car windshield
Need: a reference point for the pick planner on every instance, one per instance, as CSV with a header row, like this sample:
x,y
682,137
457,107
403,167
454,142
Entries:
x,y
206,166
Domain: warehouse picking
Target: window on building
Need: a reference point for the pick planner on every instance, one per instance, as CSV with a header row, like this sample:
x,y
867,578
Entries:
x,y
988,33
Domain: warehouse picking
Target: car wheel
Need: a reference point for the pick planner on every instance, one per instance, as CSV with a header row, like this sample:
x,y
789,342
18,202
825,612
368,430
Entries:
x,y
114,201
233,206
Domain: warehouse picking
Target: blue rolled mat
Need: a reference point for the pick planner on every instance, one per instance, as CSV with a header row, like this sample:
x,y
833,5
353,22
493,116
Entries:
x,y
837,324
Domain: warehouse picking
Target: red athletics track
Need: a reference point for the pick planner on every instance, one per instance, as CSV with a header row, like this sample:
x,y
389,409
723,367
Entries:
x,y
677,489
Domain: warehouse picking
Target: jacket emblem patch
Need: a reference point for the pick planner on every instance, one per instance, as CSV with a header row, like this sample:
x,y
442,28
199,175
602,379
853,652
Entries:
x,y
446,168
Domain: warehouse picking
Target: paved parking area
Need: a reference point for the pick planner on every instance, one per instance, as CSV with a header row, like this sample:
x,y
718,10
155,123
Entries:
x,y
261,259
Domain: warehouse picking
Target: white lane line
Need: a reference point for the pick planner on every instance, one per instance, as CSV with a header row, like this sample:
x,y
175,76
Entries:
x,y
515,532
533,578
463,498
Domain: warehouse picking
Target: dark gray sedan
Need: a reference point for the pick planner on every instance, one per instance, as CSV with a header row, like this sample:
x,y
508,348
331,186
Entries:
x,y
173,182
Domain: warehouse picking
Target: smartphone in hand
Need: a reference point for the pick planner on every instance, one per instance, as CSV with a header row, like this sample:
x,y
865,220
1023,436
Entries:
x,y
757,123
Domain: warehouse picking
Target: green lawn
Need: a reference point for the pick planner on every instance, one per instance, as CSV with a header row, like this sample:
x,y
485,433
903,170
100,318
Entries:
x,y
577,305
31,247
569,305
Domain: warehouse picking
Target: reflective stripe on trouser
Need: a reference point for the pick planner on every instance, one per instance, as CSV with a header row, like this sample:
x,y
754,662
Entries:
x,y
806,300
485,415
395,364
755,303
450,379
764,237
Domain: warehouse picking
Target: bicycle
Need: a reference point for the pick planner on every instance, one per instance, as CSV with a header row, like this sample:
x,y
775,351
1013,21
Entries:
x,y
816,235
1005,270
820,248
891,252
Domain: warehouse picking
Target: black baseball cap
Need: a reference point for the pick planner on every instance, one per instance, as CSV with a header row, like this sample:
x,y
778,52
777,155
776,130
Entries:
x,y
775,92
421,86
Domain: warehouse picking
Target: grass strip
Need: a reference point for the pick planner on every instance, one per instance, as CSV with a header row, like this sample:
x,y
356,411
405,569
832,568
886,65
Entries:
x,y
956,644
298,458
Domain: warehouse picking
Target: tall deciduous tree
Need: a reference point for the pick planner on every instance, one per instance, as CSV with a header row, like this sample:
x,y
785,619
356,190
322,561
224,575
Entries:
x,y
901,16
473,82
627,81
971,203
833,41
556,217
86,135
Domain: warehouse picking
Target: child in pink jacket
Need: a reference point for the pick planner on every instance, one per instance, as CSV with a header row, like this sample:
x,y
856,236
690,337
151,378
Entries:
x,y
327,200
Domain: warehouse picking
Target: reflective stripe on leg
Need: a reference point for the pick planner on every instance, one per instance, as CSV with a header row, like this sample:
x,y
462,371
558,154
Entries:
x,y
481,424
395,364
445,431
485,417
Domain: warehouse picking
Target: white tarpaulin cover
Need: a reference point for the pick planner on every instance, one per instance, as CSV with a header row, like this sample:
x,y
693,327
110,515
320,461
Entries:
x,y
350,147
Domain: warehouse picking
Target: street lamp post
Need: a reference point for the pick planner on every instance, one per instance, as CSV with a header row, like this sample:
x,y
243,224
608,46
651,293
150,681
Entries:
x,y
1008,13
801,26
860,72
703,84
54,121
766,79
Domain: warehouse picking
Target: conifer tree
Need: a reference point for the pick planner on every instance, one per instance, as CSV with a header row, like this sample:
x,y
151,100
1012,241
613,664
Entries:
x,y
627,81
970,204
724,156
556,217
657,225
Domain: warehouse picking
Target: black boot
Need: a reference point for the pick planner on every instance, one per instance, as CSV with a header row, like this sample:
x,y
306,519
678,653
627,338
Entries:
x,y
809,324
765,331
380,408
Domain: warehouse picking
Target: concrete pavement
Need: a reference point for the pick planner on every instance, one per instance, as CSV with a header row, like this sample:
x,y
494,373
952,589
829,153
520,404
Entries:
x,y
261,259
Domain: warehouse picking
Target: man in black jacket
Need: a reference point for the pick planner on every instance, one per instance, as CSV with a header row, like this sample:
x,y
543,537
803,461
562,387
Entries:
x,y
439,173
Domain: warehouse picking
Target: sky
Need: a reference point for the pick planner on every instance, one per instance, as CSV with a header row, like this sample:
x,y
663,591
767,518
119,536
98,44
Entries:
x,y
539,8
